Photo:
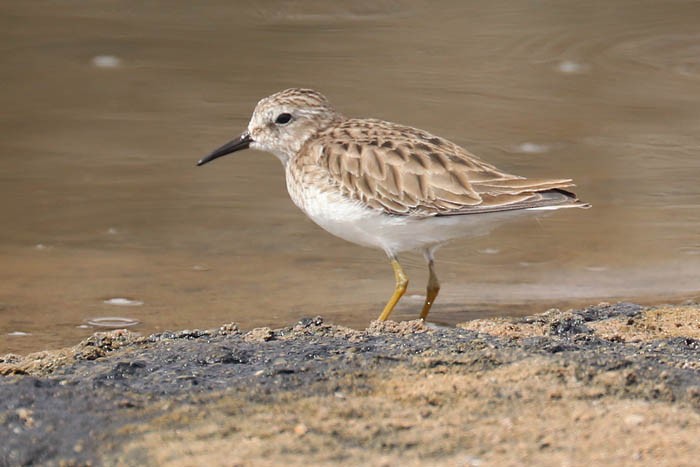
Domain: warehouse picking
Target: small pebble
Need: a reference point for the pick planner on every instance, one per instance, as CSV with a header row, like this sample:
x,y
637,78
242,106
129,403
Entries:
x,y
119,301
531,148
634,419
106,61
570,67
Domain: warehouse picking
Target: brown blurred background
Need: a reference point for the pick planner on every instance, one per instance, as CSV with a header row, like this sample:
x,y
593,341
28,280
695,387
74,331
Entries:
x,y
107,105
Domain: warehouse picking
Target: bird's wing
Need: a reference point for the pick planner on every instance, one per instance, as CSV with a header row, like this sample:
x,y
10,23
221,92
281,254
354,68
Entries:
x,y
404,171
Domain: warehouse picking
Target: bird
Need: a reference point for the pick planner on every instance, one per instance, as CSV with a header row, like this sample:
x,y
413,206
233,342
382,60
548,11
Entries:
x,y
385,185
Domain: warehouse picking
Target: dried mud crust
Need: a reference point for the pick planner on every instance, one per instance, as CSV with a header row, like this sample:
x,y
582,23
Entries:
x,y
609,384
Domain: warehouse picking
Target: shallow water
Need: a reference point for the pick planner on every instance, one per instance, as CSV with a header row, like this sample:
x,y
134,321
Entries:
x,y
107,106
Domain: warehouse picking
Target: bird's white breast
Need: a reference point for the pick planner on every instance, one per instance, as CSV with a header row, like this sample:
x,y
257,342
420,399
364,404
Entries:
x,y
344,218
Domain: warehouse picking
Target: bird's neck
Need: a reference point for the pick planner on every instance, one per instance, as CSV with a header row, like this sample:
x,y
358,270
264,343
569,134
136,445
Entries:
x,y
296,145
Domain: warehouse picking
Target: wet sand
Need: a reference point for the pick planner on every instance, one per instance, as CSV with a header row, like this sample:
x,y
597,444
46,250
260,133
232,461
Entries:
x,y
605,385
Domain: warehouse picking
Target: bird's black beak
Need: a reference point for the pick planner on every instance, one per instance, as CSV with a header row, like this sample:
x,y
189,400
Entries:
x,y
242,142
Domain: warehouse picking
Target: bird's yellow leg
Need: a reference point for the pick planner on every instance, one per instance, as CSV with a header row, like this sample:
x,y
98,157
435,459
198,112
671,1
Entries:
x,y
401,284
432,291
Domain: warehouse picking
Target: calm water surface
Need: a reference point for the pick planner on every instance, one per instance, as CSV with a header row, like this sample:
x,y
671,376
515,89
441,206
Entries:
x,y
107,105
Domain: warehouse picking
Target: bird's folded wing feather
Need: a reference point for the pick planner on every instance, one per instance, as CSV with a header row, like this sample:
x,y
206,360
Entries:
x,y
404,171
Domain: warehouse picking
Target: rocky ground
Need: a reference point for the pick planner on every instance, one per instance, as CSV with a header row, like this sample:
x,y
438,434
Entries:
x,y
609,384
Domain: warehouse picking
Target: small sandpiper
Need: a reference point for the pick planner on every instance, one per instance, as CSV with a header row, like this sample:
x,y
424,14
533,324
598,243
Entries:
x,y
388,186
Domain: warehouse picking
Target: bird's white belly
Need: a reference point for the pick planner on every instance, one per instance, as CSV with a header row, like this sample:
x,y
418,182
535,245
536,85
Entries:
x,y
356,223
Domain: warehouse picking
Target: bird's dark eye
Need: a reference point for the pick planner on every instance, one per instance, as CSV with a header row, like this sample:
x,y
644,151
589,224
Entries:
x,y
283,118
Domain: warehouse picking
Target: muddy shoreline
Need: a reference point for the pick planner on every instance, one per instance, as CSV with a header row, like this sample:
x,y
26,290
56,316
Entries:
x,y
608,384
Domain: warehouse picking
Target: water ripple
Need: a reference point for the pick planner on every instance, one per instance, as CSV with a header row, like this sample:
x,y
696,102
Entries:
x,y
678,53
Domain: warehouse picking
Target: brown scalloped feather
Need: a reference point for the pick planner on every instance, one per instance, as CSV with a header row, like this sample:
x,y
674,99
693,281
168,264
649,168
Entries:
x,y
407,171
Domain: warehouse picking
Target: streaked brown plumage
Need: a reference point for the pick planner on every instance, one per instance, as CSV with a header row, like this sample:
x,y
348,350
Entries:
x,y
386,185
406,171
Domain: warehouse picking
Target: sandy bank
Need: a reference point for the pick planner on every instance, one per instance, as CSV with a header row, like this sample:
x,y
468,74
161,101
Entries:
x,y
610,384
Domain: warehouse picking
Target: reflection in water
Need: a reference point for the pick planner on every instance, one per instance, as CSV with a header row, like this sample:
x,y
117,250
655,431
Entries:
x,y
106,112
116,322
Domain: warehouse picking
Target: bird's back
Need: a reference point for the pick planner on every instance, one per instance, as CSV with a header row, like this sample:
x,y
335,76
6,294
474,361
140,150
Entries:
x,y
407,171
